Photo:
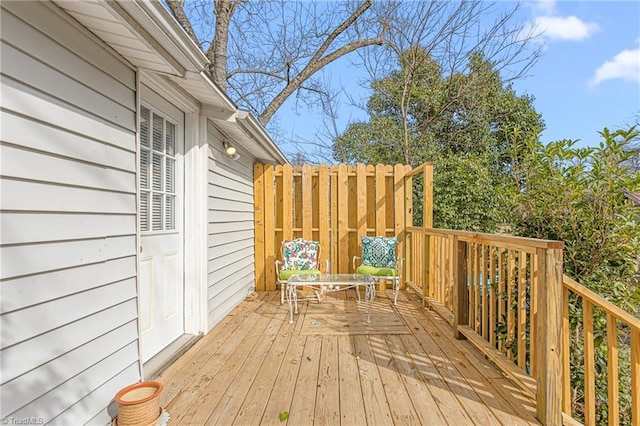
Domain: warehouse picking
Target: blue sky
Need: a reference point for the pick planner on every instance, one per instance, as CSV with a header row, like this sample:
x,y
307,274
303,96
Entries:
x,y
588,77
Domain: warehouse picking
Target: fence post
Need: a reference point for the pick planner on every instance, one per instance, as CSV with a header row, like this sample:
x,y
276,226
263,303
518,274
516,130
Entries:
x,y
460,292
427,196
549,337
258,217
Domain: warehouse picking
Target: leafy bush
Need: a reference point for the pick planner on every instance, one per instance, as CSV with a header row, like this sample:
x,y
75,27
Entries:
x,y
577,195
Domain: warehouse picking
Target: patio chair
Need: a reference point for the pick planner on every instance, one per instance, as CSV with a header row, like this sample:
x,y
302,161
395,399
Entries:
x,y
379,260
299,256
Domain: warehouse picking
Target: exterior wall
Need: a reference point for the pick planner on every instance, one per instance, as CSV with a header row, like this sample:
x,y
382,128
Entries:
x,y
230,230
68,224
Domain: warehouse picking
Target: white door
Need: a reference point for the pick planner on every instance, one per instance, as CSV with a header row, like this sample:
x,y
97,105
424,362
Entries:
x,y
161,229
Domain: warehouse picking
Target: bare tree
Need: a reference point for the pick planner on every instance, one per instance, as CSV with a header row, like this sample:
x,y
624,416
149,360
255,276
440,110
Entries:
x,y
263,52
272,49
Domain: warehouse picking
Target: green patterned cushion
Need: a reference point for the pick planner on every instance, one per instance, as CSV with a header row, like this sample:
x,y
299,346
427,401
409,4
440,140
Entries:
x,y
378,272
300,254
379,251
285,274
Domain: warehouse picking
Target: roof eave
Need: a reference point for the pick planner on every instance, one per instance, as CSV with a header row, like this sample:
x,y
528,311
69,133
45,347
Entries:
x,y
252,126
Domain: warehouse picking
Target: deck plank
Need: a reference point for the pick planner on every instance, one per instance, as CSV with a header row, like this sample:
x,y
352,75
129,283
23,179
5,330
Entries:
x,y
396,394
375,401
351,403
207,357
484,376
255,365
328,394
446,367
449,405
220,371
425,406
284,386
176,377
303,404
238,391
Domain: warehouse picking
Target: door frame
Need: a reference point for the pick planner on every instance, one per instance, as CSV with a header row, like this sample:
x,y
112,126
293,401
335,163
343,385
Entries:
x,y
195,169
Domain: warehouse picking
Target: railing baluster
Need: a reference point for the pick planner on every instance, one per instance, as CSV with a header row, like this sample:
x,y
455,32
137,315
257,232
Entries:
x,y
460,291
485,294
566,354
612,370
476,280
533,316
589,370
469,278
522,310
511,315
501,293
492,296
635,376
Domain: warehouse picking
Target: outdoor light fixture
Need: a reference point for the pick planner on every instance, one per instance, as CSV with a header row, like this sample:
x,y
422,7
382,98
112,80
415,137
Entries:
x,y
229,149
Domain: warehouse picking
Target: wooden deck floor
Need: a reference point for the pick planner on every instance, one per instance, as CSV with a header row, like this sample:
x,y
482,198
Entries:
x,y
255,365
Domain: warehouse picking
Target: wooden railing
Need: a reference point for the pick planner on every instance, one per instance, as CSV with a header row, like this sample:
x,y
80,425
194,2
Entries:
x,y
508,296
503,294
619,332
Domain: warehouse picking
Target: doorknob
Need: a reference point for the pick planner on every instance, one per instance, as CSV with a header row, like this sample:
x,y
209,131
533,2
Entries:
x,y
140,249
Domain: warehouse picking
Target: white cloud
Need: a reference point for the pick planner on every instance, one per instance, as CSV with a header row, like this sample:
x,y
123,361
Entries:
x,y
545,7
565,28
625,65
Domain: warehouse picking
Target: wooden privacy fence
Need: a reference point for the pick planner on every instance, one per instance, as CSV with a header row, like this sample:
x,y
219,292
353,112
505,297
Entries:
x,y
334,205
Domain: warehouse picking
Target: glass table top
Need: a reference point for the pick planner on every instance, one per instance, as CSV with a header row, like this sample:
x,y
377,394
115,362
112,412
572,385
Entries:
x,y
331,279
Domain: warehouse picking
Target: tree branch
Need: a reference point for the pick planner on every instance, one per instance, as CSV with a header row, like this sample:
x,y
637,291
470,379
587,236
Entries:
x,y
177,9
340,29
308,71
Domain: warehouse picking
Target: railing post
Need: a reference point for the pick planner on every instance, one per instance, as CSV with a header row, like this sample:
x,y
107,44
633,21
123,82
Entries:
x,y
427,196
549,337
460,292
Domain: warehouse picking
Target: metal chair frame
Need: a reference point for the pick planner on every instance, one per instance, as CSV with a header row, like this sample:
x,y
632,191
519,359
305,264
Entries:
x,y
394,279
279,263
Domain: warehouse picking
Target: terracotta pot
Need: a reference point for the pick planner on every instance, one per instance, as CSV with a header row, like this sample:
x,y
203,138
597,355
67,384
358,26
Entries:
x,y
139,404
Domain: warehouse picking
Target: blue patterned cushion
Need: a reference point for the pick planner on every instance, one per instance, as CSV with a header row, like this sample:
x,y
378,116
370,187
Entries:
x,y
379,251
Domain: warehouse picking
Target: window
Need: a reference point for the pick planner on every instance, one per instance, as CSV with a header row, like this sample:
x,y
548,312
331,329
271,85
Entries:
x,y
157,172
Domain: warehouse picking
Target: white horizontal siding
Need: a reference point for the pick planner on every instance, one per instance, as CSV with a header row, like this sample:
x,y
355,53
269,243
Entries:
x,y
68,318
70,364
228,271
38,75
44,20
17,130
49,50
233,292
224,238
52,405
230,236
36,258
19,293
48,168
31,354
218,262
26,323
23,228
47,197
